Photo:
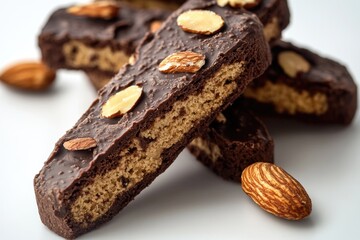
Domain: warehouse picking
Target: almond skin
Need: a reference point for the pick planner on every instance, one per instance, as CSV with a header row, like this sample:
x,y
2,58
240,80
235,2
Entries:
x,y
102,10
31,76
182,62
155,25
276,191
80,144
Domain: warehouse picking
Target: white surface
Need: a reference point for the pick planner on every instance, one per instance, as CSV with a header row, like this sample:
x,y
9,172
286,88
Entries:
x,y
188,201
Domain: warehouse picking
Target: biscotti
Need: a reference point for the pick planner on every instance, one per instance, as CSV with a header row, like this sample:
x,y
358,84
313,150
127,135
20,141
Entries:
x,y
148,114
303,85
101,47
153,4
82,43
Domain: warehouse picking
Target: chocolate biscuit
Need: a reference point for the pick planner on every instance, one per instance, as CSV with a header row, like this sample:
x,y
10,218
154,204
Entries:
x,y
82,43
303,85
154,4
106,159
72,42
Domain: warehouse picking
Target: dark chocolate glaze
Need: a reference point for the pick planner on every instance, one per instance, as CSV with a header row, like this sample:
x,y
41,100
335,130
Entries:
x,y
65,172
122,33
242,140
325,76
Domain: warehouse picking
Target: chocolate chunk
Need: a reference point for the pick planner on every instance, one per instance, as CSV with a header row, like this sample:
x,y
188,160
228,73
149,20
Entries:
x,y
143,142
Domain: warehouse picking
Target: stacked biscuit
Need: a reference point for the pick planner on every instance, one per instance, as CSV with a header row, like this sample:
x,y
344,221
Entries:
x,y
163,77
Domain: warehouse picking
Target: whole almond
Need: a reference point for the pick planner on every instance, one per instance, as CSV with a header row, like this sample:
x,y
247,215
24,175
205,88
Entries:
x,y
200,21
276,191
122,102
293,63
182,62
80,144
32,76
101,9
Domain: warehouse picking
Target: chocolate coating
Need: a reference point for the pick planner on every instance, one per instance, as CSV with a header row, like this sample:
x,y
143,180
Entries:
x,y
122,33
326,76
268,9
65,173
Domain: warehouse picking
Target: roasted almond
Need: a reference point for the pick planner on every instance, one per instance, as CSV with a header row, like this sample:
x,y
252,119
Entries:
x,y
101,9
276,191
200,21
222,3
220,118
32,76
80,144
122,102
247,4
292,63
182,62
132,59
155,25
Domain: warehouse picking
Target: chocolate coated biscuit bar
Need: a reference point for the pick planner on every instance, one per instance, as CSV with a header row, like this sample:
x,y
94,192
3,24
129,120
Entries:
x,y
80,45
235,140
78,42
154,4
304,85
107,158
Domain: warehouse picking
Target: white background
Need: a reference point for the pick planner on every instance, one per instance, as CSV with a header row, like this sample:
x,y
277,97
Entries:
x,y
188,201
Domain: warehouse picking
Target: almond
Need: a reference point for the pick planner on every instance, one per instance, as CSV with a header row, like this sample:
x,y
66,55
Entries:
x,y
222,3
155,25
32,76
200,21
132,59
122,102
247,4
220,118
185,62
102,9
80,144
275,191
292,63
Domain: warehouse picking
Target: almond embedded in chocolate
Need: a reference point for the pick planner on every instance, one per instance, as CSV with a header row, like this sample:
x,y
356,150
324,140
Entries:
x,y
247,4
184,62
222,3
122,102
80,144
200,21
155,25
292,63
102,9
